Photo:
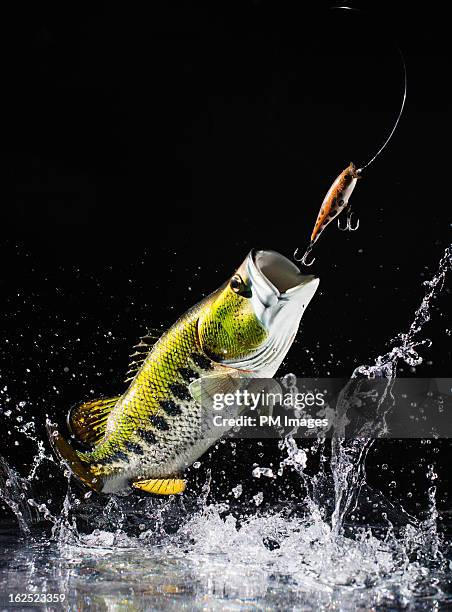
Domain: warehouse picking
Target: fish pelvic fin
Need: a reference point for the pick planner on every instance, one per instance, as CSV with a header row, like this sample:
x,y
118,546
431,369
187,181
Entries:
x,y
88,421
81,470
161,486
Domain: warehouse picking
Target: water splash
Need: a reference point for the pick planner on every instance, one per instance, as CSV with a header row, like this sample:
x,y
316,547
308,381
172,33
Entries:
x,y
14,493
348,457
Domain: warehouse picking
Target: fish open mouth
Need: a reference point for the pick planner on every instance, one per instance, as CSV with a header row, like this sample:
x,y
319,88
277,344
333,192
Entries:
x,y
280,294
279,272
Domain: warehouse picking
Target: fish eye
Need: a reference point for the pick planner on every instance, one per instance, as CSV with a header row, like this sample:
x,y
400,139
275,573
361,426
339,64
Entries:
x,y
236,283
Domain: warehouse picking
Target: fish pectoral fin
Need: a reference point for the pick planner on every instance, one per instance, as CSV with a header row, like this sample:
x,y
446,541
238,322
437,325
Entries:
x,y
161,486
205,388
88,421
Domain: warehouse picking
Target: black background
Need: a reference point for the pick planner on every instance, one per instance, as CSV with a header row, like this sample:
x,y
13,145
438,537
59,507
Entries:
x,y
146,148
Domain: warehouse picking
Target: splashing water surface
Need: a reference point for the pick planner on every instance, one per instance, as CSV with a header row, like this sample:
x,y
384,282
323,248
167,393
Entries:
x,y
305,552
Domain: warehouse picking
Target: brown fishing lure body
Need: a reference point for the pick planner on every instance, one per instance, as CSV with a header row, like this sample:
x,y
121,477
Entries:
x,y
336,199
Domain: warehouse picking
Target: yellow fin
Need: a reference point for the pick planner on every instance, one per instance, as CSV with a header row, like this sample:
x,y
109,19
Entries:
x,y
165,486
205,388
82,471
89,420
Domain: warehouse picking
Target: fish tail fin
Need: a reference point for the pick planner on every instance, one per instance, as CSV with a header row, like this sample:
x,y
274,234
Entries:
x,y
79,468
88,421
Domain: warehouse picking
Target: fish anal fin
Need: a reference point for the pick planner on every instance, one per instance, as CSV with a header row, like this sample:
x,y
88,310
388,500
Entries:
x,y
161,486
88,421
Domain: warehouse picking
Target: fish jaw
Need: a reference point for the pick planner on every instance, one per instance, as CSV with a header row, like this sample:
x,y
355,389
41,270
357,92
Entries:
x,y
280,296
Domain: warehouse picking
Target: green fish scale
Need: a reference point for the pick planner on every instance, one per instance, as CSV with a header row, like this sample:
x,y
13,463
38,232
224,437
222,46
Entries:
x,y
223,326
151,385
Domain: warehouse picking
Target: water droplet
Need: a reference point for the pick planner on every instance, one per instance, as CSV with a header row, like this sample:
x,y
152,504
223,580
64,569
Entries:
x,y
258,499
237,491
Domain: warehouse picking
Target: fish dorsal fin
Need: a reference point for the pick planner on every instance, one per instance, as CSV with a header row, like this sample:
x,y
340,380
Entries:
x,y
89,420
142,350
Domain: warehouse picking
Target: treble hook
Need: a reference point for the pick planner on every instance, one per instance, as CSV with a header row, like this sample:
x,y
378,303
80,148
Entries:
x,y
303,259
343,229
349,222
348,226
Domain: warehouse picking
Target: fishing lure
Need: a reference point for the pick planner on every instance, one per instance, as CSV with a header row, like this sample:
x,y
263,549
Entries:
x,y
337,198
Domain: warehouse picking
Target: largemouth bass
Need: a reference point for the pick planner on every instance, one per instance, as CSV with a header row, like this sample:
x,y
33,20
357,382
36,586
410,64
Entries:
x,y
147,437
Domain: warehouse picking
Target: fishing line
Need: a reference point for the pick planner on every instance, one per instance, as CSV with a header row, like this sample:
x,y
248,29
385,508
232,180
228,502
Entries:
x,y
405,87
337,198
